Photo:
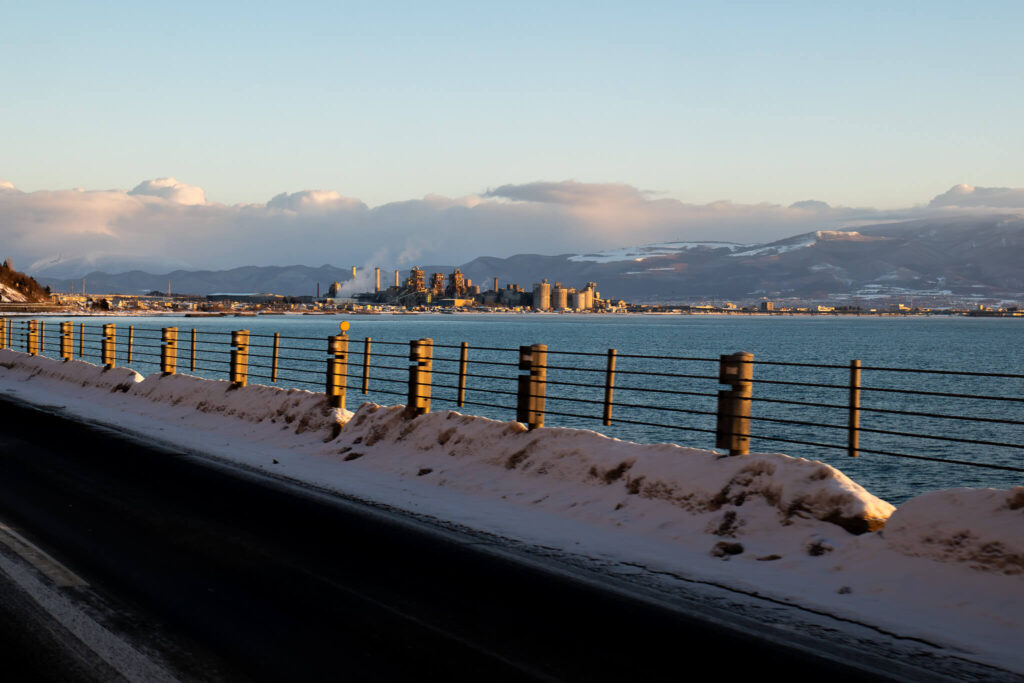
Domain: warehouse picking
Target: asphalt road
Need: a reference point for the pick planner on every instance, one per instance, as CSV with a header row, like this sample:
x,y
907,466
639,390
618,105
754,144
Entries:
x,y
238,577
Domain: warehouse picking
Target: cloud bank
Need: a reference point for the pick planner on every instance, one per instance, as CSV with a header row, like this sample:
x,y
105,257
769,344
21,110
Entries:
x,y
164,224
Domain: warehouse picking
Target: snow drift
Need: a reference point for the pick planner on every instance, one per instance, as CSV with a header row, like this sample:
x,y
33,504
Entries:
x,y
983,528
692,480
296,409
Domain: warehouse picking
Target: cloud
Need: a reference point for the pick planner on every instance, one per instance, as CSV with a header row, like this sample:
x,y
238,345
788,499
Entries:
x,y
568,192
167,224
313,200
965,196
171,190
810,205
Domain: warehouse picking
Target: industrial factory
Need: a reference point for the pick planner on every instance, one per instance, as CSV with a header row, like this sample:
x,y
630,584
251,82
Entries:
x,y
455,290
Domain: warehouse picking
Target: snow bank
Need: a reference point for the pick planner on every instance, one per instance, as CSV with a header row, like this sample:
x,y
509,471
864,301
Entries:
x,y
692,480
298,410
302,410
983,528
78,372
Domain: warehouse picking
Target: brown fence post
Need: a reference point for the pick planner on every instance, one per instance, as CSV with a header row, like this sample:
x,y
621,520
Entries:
x,y
108,345
337,367
81,339
191,352
532,385
463,363
32,338
609,386
131,341
239,358
853,431
366,365
421,353
169,350
733,424
42,336
3,333
273,356
67,340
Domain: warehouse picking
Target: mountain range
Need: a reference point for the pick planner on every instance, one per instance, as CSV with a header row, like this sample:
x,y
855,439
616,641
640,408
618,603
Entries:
x,y
957,256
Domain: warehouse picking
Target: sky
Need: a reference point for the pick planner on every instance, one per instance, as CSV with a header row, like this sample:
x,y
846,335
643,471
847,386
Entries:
x,y
400,105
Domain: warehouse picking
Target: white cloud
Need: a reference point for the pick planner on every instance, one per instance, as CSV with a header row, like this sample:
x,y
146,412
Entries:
x,y
171,190
967,197
314,200
166,224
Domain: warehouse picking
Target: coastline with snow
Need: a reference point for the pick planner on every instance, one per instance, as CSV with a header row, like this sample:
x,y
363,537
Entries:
x,y
946,567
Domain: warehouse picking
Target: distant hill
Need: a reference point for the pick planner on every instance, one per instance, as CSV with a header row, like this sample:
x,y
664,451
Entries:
x,y
286,280
963,255
977,255
17,287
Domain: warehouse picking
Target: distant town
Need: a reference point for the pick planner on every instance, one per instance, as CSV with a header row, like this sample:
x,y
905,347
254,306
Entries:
x,y
453,292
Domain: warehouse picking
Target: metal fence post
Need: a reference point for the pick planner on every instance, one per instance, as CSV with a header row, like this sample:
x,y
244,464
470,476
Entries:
x,y
421,353
169,350
532,385
32,338
609,386
463,363
733,424
337,367
42,337
239,358
5,333
273,357
108,345
131,342
853,431
192,351
81,339
67,340
366,365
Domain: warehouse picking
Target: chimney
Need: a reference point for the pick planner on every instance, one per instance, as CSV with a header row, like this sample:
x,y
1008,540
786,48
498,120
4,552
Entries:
x,y
376,279
495,284
396,279
353,272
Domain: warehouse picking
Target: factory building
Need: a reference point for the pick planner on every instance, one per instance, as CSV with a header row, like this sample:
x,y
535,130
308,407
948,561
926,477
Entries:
x,y
559,297
542,296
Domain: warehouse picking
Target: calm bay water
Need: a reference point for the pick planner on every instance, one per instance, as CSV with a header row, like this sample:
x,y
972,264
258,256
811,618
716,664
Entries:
x,y
974,344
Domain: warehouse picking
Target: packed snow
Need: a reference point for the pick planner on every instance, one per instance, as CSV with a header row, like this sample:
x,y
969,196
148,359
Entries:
x,y
942,573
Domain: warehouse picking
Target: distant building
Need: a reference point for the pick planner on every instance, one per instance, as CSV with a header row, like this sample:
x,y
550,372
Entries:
x,y
559,297
417,281
542,296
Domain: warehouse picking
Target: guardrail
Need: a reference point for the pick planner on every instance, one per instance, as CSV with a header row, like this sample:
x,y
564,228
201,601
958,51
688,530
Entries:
x,y
677,393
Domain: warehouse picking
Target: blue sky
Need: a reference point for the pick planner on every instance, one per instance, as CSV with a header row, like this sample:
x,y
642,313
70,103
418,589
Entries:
x,y
858,104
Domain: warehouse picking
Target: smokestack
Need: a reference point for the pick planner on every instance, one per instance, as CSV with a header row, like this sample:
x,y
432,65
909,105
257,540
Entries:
x,y
495,284
318,290
376,279
396,279
353,272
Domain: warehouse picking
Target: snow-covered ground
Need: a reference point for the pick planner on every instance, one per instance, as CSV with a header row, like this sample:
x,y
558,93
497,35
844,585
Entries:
x,y
941,577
